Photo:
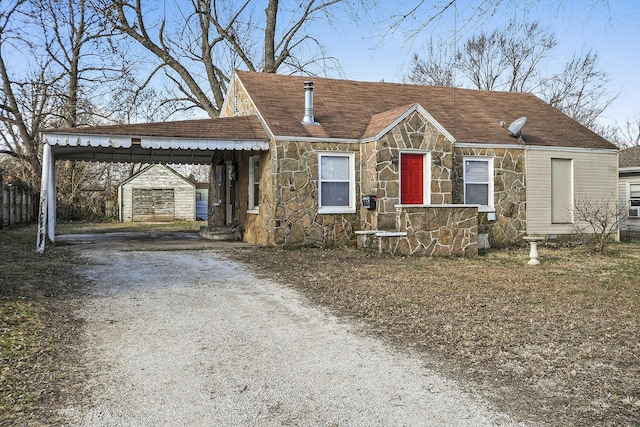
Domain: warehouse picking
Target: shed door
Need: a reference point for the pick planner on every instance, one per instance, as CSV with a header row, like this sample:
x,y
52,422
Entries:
x,y
153,204
411,179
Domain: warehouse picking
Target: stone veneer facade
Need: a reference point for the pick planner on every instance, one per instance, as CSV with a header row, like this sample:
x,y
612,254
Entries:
x,y
509,193
296,220
437,228
438,231
288,205
381,177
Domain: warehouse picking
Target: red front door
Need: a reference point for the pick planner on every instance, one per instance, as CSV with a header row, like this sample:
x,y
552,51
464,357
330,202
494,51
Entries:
x,y
411,179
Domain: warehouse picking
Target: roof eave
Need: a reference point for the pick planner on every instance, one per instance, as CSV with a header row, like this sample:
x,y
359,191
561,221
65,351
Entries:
x,y
259,115
126,141
629,169
419,108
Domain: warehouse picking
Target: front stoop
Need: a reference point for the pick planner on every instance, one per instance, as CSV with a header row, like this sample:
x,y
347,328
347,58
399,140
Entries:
x,y
222,233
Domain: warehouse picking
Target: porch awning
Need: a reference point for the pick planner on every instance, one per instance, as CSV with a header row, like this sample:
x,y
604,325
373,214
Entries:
x,y
187,141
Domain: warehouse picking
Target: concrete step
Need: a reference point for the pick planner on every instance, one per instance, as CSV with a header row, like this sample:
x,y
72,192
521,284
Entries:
x,y
223,233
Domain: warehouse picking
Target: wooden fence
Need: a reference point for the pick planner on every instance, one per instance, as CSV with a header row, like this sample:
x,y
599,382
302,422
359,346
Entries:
x,y
17,206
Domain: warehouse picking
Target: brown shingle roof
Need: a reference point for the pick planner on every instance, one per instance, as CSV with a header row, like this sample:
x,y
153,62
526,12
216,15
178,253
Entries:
x,y
353,110
379,121
629,158
228,128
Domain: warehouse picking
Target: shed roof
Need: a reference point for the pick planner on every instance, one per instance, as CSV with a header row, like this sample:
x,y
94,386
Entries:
x,y
348,109
145,170
629,158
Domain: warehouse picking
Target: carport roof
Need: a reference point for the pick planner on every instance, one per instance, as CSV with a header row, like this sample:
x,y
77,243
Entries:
x,y
186,141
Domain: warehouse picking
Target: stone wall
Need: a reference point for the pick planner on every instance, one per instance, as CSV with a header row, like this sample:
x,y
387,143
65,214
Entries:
x,y
509,193
296,220
252,225
380,175
427,231
238,103
288,205
437,231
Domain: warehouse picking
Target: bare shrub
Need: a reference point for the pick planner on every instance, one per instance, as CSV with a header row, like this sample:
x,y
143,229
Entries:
x,y
596,221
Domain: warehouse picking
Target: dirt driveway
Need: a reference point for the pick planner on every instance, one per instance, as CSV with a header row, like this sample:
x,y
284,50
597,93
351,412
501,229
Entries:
x,y
186,337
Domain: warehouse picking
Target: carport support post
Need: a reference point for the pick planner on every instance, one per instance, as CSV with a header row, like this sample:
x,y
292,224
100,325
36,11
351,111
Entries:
x,y
47,216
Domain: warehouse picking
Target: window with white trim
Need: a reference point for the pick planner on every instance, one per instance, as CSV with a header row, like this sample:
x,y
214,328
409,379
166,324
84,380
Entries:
x,y
634,200
478,185
336,183
254,184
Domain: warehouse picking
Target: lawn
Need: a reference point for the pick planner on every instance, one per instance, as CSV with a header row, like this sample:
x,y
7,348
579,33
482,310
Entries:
x,y
36,329
555,344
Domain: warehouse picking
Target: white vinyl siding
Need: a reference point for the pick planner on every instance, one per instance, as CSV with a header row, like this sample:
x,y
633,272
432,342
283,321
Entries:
x,y
336,184
629,224
595,175
561,191
634,200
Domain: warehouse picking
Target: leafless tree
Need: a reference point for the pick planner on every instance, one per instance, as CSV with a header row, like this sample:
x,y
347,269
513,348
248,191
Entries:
x,y
628,134
68,55
506,59
199,43
436,69
84,52
511,59
580,89
23,101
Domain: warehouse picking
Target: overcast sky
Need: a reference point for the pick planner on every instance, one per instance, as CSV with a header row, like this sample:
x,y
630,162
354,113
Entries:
x,y
612,30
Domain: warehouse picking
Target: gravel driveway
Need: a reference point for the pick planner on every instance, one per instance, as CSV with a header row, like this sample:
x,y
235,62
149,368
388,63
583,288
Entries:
x,y
189,338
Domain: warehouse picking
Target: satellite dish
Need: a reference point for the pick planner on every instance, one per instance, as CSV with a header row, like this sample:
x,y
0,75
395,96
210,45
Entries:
x,y
515,128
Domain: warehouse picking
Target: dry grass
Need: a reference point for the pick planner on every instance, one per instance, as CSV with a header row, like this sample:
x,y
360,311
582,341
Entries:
x,y
556,344
36,329
118,227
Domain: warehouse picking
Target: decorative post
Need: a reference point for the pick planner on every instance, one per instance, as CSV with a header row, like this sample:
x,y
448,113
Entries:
x,y
533,253
52,195
43,215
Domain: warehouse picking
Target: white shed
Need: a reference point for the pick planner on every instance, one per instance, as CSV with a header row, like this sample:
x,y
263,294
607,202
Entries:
x,y
157,193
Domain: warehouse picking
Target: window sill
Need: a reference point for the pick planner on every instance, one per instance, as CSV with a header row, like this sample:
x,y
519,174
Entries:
x,y
336,210
253,211
487,209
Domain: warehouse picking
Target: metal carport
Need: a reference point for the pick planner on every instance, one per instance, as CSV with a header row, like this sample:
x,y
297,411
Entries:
x,y
182,142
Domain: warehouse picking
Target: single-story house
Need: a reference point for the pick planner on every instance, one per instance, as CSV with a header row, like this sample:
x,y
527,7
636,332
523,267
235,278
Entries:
x,y
407,169
157,193
629,192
